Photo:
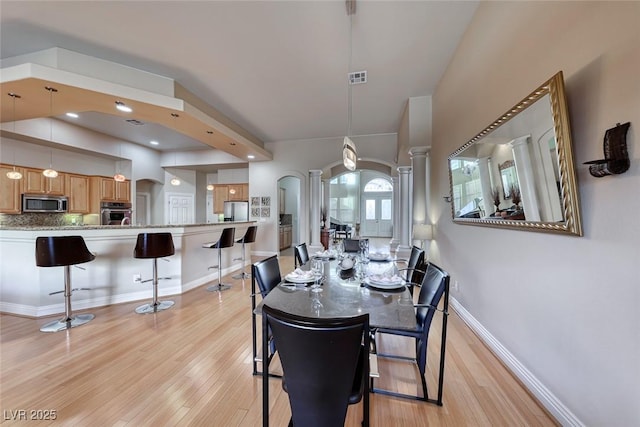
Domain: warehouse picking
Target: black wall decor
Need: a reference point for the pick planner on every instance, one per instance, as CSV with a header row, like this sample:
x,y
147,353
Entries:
x,y
616,156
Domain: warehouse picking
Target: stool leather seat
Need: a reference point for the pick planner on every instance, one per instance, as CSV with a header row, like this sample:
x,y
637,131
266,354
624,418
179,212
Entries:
x,y
154,246
226,240
64,251
249,237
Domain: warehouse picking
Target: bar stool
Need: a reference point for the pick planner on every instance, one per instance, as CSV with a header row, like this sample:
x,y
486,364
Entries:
x,y
249,237
64,251
154,245
225,241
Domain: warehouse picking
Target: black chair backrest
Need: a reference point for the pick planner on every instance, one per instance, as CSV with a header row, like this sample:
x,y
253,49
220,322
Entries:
x,y
57,251
320,359
351,245
249,235
154,245
301,254
435,281
226,239
267,274
415,265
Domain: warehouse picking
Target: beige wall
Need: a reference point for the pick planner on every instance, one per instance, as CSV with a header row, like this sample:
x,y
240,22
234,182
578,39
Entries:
x,y
565,307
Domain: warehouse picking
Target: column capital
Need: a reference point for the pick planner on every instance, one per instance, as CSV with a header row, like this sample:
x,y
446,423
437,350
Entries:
x,y
404,169
315,172
521,140
421,151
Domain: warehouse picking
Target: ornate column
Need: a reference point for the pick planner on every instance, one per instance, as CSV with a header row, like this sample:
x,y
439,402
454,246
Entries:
x,y
315,198
419,169
526,179
395,239
404,178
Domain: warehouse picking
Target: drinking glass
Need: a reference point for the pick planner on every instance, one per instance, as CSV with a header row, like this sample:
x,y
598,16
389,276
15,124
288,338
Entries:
x,y
317,266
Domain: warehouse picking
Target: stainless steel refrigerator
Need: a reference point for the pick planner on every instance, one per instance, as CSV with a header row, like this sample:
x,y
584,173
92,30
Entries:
x,y
236,211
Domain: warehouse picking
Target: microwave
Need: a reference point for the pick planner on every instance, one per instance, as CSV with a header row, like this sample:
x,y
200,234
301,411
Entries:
x,y
43,203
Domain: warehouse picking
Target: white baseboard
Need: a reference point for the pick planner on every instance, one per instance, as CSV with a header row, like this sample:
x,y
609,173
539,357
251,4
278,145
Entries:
x,y
559,411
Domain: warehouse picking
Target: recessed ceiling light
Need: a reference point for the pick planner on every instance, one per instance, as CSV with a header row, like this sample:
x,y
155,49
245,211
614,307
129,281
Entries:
x,y
251,156
154,142
73,115
122,107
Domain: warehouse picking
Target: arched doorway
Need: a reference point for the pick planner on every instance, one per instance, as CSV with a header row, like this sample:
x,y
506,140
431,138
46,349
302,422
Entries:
x,y
288,213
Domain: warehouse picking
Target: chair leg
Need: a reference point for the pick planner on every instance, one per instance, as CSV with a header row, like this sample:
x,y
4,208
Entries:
x,y
220,286
155,305
69,320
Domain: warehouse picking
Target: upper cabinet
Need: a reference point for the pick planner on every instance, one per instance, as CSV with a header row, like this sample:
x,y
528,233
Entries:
x,y
34,182
9,191
228,192
78,193
106,189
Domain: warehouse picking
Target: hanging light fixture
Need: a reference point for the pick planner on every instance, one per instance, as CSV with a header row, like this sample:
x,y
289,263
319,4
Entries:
x,y
175,180
349,154
14,174
118,177
50,173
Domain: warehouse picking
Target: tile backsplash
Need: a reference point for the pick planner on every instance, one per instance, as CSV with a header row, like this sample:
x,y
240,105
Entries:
x,y
40,220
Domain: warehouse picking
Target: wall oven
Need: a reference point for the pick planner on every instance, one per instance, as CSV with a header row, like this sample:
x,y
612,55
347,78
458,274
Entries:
x,y
115,213
43,203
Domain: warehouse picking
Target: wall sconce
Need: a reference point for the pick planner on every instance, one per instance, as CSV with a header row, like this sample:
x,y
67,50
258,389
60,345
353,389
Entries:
x,y
447,198
616,156
422,232
210,187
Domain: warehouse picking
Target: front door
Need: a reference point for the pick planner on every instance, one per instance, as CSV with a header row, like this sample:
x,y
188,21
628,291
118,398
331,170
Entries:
x,y
378,216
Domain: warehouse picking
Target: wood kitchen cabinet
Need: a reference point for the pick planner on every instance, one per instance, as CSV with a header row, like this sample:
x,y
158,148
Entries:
x,y
105,189
285,236
220,195
9,191
33,182
238,192
78,192
228,192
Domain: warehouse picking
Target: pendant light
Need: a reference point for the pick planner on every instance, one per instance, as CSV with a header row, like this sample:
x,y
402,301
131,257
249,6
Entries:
x,y
14,174
50,173
118,177
175,181
349,154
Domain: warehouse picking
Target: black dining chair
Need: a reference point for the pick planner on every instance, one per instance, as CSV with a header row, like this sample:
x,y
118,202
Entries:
x,y
325,364
414,270
351,245
435,284
301,255
266,274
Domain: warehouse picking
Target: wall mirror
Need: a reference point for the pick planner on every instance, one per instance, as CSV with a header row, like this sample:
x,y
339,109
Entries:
x,y
519,172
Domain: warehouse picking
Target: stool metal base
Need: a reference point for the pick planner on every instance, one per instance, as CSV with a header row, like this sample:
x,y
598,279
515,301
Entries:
x,y
218,288
153,308
242,275
67,323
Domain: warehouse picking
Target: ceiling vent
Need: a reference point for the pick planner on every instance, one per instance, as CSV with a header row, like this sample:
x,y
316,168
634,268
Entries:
x,y
135,122
357,77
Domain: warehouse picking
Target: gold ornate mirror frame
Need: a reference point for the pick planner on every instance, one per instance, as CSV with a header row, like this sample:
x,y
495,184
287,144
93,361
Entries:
x,y
546,184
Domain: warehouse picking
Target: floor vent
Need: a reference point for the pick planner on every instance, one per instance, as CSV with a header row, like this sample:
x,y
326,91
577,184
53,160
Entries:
x,y
135,122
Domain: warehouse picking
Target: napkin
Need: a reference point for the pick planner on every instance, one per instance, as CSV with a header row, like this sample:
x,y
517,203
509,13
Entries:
x,y
381,278
301,274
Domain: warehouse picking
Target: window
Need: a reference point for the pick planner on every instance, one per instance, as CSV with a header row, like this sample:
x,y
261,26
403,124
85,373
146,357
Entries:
x,y
378,184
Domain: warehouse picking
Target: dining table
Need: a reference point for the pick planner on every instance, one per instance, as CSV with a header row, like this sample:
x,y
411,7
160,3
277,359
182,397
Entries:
x,y
346,292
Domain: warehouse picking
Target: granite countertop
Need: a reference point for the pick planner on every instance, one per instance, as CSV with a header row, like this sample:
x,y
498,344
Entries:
x,y
117,227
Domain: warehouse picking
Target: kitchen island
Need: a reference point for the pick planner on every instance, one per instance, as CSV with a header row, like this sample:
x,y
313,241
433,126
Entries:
x,y
25,287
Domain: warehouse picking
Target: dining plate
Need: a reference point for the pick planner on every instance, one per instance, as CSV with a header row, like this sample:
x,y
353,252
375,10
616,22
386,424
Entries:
x,y
295,278
384,285
373,256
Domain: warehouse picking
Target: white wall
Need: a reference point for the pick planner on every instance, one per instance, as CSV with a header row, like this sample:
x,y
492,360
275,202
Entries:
x,y
565,307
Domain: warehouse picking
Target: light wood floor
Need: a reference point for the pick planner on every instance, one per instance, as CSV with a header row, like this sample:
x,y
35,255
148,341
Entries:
x,y
191,365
